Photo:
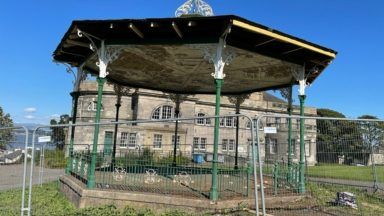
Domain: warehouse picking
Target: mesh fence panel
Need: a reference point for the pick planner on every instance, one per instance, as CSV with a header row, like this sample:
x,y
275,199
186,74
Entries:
x,y
12,152
343,166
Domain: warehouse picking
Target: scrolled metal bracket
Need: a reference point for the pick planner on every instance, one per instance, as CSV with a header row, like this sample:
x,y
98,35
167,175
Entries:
x,y
106,54
220,57
299,74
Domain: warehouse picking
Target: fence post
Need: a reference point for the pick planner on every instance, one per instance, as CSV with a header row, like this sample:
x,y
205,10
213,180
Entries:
x,y
302,145
91,176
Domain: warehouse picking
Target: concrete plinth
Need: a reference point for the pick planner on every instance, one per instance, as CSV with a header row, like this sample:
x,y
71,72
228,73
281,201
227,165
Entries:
x,y
82,197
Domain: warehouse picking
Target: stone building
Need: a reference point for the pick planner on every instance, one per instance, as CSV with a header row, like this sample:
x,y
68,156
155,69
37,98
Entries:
x,y
193,135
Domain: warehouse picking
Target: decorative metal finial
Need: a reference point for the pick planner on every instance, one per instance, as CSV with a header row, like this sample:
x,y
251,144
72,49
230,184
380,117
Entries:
x,y
194,7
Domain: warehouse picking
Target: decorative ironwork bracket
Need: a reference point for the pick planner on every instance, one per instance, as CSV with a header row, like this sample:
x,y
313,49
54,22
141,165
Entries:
x,y
79,76
299,75
106,54
221,57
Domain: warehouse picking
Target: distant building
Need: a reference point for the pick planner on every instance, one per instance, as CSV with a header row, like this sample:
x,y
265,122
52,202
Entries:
x,y
11,157
193,136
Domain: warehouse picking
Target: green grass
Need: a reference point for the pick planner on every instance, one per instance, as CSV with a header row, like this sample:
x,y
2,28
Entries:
x,y
49,201
357,173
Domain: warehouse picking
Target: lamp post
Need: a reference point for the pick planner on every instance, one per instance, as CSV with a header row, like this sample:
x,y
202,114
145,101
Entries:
x,y
177,99
237,100
120,92
287,94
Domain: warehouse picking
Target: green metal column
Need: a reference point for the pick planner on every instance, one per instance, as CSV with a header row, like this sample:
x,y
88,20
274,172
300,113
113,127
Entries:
x,y
75,99
289,144
91,172
214,194
302,147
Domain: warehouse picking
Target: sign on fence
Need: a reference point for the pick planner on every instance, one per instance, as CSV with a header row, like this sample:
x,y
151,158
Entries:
x,y
270,130
44,139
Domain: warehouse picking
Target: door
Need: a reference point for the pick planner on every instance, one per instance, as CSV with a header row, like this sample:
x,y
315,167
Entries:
x,y
108,141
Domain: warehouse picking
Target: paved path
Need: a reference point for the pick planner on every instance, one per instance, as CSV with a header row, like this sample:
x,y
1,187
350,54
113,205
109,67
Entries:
x,y
11,176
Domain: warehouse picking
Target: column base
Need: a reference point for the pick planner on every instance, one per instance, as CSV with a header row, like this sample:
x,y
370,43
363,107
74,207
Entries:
x,y
213,195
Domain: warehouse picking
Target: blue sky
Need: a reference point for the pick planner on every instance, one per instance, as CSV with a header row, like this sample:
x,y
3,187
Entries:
x,y
33,89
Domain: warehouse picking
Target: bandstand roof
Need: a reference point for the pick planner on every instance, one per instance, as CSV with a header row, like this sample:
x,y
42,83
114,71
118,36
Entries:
x,y
167,54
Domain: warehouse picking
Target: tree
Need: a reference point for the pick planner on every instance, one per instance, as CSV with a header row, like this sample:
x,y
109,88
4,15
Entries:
x,y
58,133
372,132
336,138
5,135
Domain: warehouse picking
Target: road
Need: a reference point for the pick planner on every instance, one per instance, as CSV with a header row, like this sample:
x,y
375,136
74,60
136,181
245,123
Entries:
x,y
11,176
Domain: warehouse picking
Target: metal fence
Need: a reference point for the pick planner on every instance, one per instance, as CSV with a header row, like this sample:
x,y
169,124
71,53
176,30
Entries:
x,y
15,170
334,168
152,156
146,158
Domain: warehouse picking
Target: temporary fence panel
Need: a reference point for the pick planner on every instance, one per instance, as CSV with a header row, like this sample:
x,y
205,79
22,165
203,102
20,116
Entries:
x,y
14,170
151,156
334,168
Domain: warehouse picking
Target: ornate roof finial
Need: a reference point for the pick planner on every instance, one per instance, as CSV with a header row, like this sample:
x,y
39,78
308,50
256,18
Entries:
x,y
193,7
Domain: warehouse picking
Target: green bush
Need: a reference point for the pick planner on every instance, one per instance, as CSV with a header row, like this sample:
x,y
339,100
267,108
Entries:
x,y
53,159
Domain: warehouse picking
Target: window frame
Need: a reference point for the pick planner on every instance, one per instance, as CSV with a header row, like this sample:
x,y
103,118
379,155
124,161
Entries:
x,y
130,139
164,112
124,140
157,141
177,142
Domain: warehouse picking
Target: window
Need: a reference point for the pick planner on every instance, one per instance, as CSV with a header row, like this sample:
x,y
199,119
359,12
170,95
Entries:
x,y
224,145
157,141
222,122
248,125
177,141
199,143
123,140
272,146
307,148
92,106
200,121
203,142
229,122
228,145
163,112
196,143
132,140
231,146
166,112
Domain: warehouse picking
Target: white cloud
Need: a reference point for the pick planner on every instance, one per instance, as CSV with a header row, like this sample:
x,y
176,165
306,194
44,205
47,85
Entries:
x,y
30,109
29,117
55,116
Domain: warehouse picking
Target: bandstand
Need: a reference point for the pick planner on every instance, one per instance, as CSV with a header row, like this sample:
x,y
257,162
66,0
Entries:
x,y
192,53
